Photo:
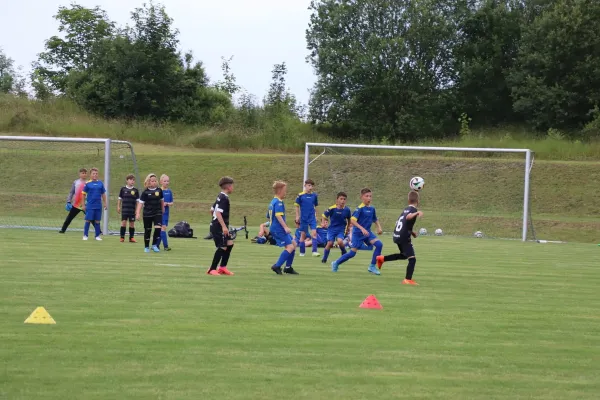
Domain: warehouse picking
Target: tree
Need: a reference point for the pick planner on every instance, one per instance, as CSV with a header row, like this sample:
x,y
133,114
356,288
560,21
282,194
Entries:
x,y
7,73
228,84
279,100
82,28
556,78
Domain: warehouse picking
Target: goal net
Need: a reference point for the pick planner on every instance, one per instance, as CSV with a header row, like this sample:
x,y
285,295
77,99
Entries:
x,y
466,190
38,174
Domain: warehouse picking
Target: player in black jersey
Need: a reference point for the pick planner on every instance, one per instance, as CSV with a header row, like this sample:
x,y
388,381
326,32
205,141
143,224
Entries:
x,y
126,205
219,228
154,206
402,237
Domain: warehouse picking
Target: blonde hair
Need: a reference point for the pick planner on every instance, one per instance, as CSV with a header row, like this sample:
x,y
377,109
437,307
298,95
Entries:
x,y
92,170
278,185
163,176
147,180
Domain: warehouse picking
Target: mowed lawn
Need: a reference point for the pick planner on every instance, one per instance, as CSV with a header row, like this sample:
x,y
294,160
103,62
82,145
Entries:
x,y
490,320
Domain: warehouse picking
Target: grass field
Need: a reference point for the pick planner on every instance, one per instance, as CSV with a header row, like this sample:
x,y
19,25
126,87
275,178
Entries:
x,y
491,319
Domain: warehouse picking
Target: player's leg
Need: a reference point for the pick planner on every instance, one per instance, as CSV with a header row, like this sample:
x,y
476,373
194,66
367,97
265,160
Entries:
x,y
132,230
70,217
315,242
283,240
163,233
328,247
391,257
409,251
302,243
354,246
376,253
340,242
290,260
225,259
221,248
147,233
123,227
89,219
156,237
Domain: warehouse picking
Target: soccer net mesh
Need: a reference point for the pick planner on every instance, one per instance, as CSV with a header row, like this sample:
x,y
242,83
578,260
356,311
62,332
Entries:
x,y
37,178
463,193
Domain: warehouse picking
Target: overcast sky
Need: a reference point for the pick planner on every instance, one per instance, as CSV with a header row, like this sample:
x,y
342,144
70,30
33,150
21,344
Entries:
x,y
258,33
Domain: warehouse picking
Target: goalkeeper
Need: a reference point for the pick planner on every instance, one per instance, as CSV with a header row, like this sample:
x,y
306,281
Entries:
x,y
75,199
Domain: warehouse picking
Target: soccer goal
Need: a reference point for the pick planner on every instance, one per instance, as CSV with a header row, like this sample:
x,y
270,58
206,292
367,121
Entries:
x,y
467,190
38,173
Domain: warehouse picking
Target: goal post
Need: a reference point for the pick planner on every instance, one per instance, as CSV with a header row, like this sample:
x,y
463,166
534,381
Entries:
x,y
350,158
46,166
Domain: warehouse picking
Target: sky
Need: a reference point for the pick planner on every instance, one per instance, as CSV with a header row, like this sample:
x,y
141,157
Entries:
x,y
257,33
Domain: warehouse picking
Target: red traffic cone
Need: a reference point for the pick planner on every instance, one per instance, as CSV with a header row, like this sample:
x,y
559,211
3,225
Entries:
x,y
371,302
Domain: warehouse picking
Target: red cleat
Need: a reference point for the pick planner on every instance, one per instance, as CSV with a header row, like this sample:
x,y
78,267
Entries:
x,y
225,271
122,240
132,240
380,261
212,272
409,282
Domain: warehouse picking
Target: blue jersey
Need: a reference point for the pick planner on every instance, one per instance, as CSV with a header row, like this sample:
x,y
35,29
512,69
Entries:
x,y
93,191
168,198
365,216
322,235
339,218
276,208
307,203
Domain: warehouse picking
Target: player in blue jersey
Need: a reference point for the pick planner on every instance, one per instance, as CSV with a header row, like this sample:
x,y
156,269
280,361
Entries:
x,y
280,231
168,198
306,216
363,217
338,216
94,201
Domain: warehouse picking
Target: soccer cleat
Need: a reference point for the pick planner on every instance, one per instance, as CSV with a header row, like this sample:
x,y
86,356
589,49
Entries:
x,y
146,249
132,240
316,254
98,238
213,272
209,237
225,271
290,270
61,231
85,238
122,240
380,261
334,267
373,269
155,249
302,254
277,270
324,261
409,282
167,249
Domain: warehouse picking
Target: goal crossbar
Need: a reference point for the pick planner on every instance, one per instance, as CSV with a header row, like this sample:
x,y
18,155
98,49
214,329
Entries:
x,y
107,148
527,152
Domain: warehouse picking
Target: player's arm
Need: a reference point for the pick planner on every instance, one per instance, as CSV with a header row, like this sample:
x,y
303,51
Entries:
x,y
377,223
119,202
83,198
162,205
219,215
104,201
414,215
354,222
71,193
138,208
282,223
297,211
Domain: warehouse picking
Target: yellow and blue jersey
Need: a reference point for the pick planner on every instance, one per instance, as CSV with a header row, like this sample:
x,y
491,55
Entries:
x,y
365,216
307,203
276,208
93,191
339,218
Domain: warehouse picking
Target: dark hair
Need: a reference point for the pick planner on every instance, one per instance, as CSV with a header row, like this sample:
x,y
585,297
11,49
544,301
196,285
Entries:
x,y
225,181
341,194
130,176
309,182
413,197
82,170
365,191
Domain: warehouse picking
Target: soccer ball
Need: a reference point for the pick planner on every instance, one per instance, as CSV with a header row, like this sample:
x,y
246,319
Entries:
x,y
422,231
438,232
478,234
417,183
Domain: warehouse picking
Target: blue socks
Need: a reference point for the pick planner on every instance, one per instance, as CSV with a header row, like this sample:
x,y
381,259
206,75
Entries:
x,y
314,244
282,258
326,255
163,237
290,259
86,228
377,252
345,257
302,247
97,228
343,250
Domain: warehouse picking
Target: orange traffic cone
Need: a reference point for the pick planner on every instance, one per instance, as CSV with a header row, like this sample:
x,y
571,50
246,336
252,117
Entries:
x,y
371,302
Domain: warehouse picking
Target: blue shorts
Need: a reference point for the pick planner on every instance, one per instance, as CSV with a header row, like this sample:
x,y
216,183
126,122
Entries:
x,y
165,220
308,226
93,215
332,236
283,239
358,239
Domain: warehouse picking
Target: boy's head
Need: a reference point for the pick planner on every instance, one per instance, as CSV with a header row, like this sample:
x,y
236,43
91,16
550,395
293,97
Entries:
x,y
130,180
151,181
309,185
164,180
94,174
226,184
413,198
366,196
83,173
340,200
280,189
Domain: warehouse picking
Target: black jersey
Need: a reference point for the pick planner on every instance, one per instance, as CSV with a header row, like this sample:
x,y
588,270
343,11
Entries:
x,y
152,201
129,197
221,205
404,227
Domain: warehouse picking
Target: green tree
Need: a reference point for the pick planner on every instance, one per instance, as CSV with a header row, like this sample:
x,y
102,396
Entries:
x,y
556,79
82,28
228,84
279,99
7,73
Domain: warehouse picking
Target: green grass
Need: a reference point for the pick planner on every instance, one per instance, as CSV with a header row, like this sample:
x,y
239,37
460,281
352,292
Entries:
x,y
490,320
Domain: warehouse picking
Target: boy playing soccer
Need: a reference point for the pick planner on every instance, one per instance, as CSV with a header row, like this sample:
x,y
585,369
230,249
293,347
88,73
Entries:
x,y
402,237
219,228
363,217
306,216
339,220
154,206
94,200
280,231
126,205
75,199
168,198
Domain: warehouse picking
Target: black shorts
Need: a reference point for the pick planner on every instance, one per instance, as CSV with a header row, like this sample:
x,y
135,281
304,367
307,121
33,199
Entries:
x,y
218,237
128,217
155,220
405,247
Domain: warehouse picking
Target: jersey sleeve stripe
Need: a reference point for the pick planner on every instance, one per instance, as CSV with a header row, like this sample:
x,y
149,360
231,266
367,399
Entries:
x,y
280,214
354,218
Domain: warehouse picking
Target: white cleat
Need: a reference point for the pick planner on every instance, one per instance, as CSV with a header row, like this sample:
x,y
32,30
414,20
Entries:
x,y
301,254
85,238
315,254
98,238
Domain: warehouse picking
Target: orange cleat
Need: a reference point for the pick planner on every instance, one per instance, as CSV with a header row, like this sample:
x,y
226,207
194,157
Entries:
x,y
380,261
409,282
122,240
225,271
212,272
132,240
